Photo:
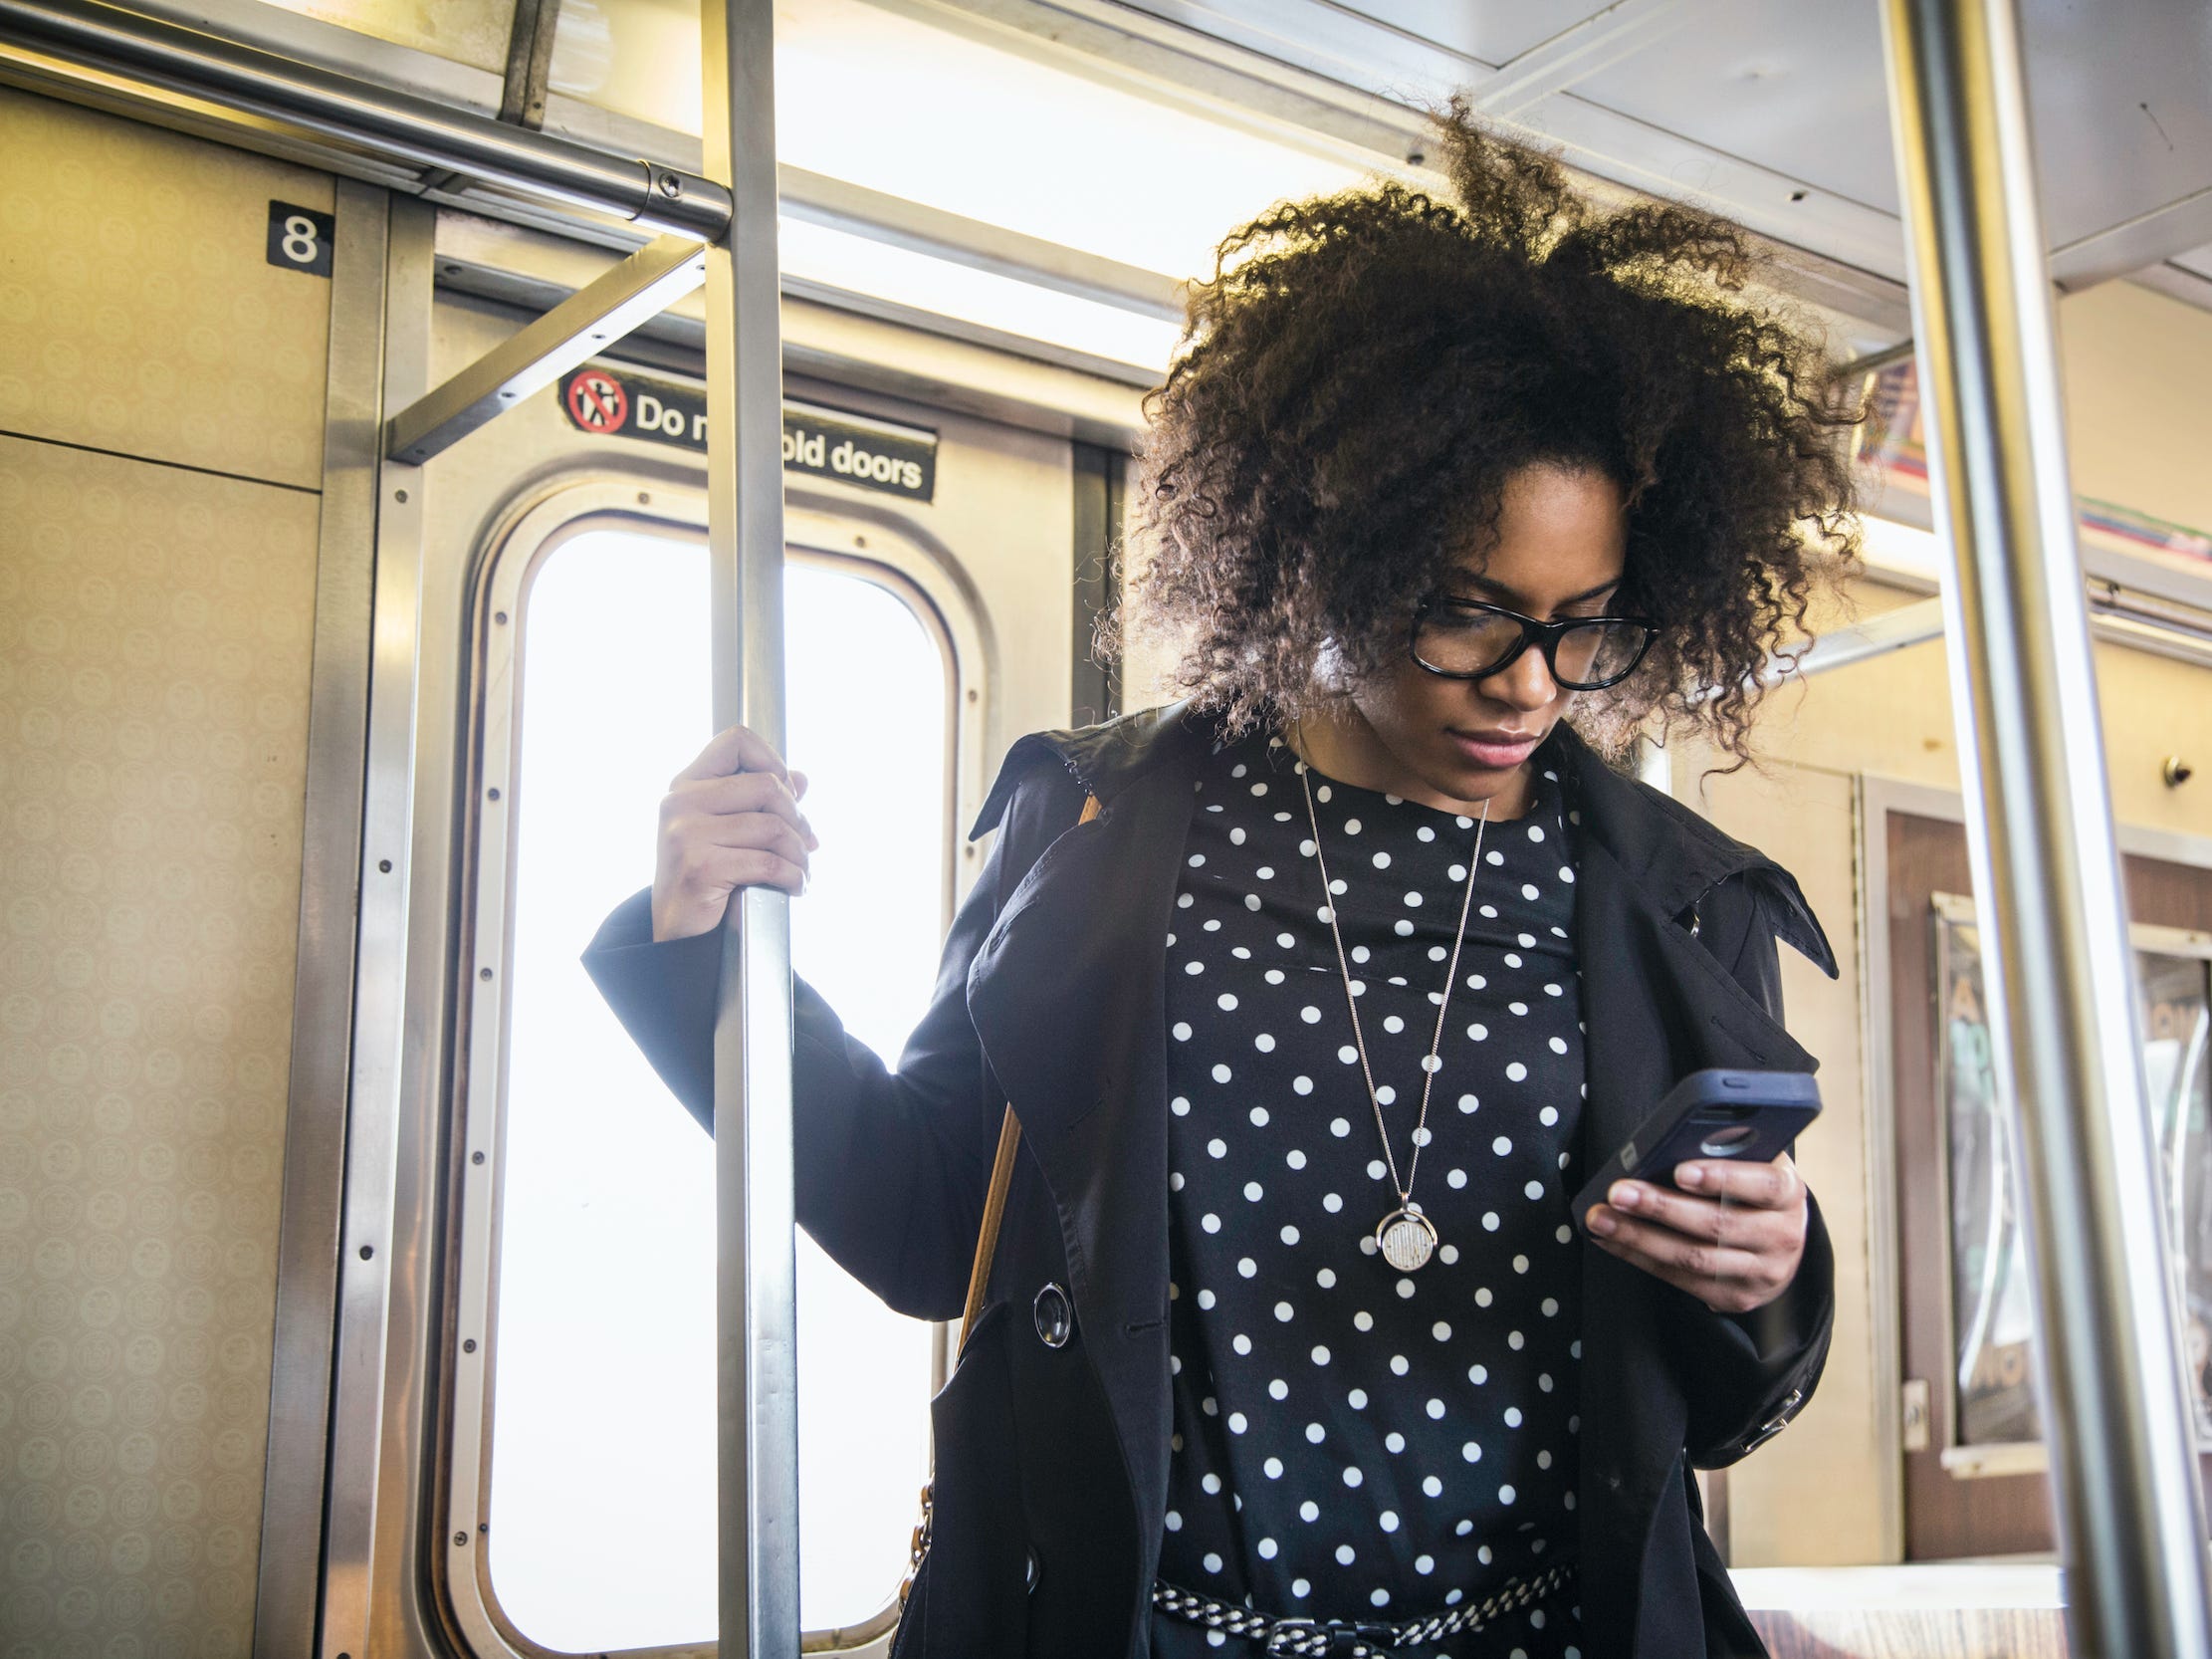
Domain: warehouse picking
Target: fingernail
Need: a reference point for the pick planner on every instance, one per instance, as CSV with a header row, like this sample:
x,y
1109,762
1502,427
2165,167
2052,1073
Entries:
x,y
1625,1197
1600,1221
1691,1175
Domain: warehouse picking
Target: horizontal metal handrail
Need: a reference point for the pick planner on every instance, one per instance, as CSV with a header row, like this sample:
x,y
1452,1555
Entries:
x,y
419,130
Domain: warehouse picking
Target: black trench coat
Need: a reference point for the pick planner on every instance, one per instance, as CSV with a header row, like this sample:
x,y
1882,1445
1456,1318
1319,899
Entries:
x,y
1053,1463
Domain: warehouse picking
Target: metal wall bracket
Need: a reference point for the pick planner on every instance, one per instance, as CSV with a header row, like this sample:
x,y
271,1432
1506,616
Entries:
x,y
640,288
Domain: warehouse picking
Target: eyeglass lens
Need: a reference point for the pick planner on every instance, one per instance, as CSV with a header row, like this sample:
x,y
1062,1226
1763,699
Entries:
x,y
1475,641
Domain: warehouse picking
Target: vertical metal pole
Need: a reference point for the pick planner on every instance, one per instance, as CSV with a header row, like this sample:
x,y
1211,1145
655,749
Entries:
x,y
756,1342
2123,1469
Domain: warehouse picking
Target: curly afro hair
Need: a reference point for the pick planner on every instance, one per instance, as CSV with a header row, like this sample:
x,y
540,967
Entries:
x,y
1365,371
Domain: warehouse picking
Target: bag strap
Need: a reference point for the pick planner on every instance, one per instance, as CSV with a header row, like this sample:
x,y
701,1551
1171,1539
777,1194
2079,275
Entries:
x,y
1001,1179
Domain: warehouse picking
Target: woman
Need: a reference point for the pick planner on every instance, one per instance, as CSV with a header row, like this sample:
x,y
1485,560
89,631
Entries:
x,y
1291,1344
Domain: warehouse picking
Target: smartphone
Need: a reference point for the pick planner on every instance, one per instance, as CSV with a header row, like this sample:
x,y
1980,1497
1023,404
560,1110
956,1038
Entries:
x,y
1752,1116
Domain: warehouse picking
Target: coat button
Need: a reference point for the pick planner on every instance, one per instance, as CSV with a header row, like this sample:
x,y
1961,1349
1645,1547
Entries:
x,y
1055,1317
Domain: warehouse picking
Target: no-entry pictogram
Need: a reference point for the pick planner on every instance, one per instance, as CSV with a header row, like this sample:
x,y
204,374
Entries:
x,y
597,402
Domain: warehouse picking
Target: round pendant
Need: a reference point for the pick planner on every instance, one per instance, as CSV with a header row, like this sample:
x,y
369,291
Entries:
x,y
1408,1239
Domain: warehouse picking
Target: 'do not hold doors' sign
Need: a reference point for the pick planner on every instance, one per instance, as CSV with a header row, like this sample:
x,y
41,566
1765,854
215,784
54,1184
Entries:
x,y
823,443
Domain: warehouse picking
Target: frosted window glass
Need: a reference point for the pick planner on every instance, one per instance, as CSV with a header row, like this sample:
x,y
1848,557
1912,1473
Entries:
x,y
602,1474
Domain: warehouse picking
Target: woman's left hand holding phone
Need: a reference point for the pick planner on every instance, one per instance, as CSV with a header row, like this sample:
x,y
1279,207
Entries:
x,y
1730,1233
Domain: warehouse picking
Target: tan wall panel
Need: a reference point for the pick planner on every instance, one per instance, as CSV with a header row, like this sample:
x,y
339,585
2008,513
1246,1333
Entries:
x,y
2138,391
155,639
138,312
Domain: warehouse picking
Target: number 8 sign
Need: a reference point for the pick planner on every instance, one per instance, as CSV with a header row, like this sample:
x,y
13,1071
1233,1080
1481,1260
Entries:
x,y
300,238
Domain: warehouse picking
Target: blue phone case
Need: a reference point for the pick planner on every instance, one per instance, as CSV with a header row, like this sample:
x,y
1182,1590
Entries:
x,y
1750,1116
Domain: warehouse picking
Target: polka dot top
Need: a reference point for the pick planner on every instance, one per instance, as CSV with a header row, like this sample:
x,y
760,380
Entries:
x,y
1351,1441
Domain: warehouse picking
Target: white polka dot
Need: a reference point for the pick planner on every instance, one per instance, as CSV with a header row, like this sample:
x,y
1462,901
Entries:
x,y
1382,861
1435,1489
1301,1085
1478,1375
1179,1106
1182,1029
1251,901
1340,1126
1374,1169
1211,1483
1326,1278
1273,1467
1404,1290
1447,1254
1518,1007
1253,1191
1536,831
1512,1416
1457,1178
1356,1399
1380,1599
1440,1332
1468,1102
1505,1495
1175,1181
1426,834
1289,1235
1259,1115
1331,1202
1435,1409
1222,1073
1313,1433
1478,1031
1566,874
1210,1222
1247,1265
1197,858
1294,1158
1194,967
1320,1356
1348,1053
1520,1264
1489,1221
1268,1546
1343,1554
1280,1389
1205,1298
1399,1364
1548,1116
1352,1476
1501,1147
1217,1147
1471,1452
1284,1312
1559,1044
1482,1297
1351,827
1213,1562
1241,1343
1228,1003
1412,901
1286,940
1515,1071
1528,890
1393,1442
1362,1321
1534,1190
1394,1025
1389,1520
1175,1520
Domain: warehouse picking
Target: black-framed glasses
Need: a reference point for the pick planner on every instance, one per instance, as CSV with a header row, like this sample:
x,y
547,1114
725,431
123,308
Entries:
x,y
1466,639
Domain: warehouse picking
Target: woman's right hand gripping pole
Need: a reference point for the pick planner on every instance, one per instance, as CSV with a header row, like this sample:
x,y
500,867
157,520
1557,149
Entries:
x,y
729,820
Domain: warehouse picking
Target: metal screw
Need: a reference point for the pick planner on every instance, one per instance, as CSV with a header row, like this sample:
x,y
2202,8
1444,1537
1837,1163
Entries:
x,y
383,866
2176,771
484,973
500,617
400,495
495,794
460,1537
469,1347
645,498
367,1251
670,186
973,695
476,1158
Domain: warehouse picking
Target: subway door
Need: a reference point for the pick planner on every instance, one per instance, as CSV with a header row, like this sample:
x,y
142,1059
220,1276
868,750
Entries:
x,y
930,620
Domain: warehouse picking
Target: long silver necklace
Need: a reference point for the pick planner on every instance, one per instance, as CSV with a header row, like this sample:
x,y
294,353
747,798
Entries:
x,y
1406,1237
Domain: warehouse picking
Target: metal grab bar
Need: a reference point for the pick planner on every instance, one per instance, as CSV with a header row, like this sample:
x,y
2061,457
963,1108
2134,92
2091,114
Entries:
x,y
420,129
2059,997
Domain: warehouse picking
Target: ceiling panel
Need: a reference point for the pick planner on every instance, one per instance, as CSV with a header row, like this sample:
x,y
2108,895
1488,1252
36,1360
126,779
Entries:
x,y
1490,31
2121,97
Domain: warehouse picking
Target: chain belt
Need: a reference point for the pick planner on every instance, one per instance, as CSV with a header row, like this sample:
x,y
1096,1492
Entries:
x,y
1304,1638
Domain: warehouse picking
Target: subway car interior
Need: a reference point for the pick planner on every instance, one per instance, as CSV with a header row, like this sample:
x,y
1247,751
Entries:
x,y
389,508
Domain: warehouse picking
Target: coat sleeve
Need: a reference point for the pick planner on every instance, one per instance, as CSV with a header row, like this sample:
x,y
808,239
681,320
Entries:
x,y
891,1166
1747,1375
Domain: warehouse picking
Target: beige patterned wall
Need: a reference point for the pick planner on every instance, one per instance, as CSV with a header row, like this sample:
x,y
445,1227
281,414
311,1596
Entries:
x,y
154,634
